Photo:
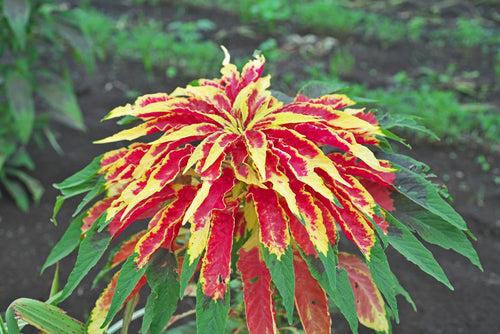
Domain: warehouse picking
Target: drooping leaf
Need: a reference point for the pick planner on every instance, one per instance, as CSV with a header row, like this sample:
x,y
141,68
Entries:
x,y
91,250
435,230
385,280
83,176
314,89
343,298
163,279
17,192
127,281
17,13
45,317
80,44
370,305
20,98
93,193
34,186
424,193
310,300
401,238
67,244
334,281
395,120
211,315
283,277
187,273
60,96
257,291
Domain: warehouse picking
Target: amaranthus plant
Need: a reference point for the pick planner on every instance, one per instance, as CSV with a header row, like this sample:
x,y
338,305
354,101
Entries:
x,y
230,182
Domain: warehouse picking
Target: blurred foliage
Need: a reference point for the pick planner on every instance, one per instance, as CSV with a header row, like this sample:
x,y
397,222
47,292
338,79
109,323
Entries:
x,y
35,86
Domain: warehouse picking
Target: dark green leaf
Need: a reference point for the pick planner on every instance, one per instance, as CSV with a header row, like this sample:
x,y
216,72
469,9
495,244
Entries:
x,y
60,95
186,273
78,42
343,298
395,120
164,282
17,192
33,185
127,280
283,277
17,13
67,244
385,280
324,270
91,250
401,238
22,159
424,193
435,230
211,316
20,97
316,89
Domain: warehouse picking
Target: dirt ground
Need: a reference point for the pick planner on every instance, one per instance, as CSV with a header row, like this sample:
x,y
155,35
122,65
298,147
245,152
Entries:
x,y
474,306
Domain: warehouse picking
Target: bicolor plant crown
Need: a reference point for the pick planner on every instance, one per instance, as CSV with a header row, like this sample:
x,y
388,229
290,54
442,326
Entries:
x,y
231,182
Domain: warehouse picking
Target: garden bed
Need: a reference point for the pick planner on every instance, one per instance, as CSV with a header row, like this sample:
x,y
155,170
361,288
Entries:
x,y
470,172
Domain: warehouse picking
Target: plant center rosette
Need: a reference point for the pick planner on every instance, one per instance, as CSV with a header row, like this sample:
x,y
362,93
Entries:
x,y
259,188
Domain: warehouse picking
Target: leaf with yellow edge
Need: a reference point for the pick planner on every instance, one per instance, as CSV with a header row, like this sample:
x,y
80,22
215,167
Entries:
x,y
370,305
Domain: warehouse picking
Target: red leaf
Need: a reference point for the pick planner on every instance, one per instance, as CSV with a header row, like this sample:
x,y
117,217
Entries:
x,y
310,300
258,294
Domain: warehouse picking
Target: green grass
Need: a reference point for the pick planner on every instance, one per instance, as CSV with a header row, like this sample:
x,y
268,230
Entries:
x,y
176,48
439,110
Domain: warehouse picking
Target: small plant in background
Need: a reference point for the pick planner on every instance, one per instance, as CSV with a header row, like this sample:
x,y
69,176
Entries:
x,y
237,185
32,32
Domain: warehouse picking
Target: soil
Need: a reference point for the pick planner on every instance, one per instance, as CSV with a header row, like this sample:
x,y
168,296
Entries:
x,y
25,239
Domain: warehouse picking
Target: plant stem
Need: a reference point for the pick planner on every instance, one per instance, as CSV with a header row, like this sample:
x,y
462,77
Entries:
x,y
129,312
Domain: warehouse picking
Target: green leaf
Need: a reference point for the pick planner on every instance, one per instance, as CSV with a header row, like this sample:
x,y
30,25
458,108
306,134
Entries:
x,y
385,279
324,269
164,282
434,229
54,287
22,159
91,250
421,191
186,273
401,238
10,319
57,207
17,13
127,280
81,45
20,98
45,317
33,185
3,326
343,297
59,95
81,177
98,188
283,277
17,192
395,120
211,316
406,161
67,244
314,89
